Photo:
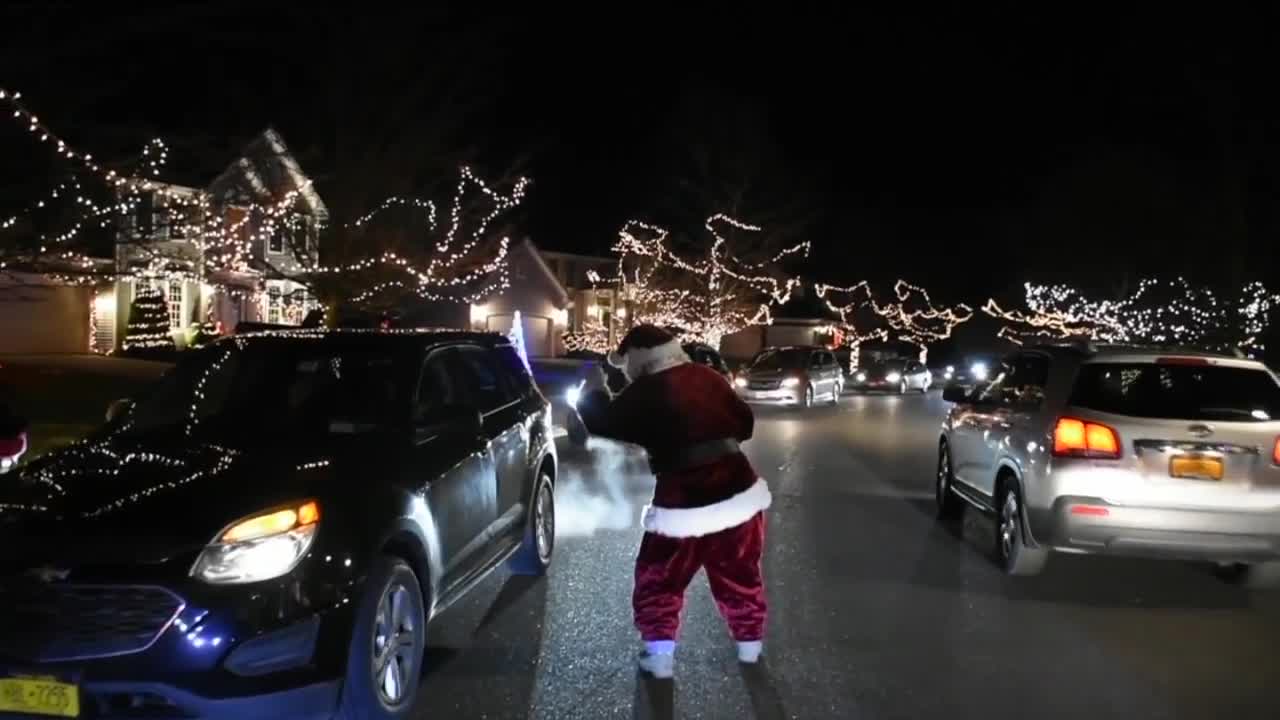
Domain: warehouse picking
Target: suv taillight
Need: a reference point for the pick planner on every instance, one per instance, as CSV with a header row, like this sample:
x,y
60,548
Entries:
x,y
1080,438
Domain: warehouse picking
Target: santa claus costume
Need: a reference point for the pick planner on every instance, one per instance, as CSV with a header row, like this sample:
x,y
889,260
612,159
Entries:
x,y
708,502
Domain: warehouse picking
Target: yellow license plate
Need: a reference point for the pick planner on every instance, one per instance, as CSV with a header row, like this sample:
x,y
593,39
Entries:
x,y
1196,468
39,696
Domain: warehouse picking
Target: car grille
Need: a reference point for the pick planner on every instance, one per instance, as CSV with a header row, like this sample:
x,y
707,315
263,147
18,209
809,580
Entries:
x,y
764,384
49,622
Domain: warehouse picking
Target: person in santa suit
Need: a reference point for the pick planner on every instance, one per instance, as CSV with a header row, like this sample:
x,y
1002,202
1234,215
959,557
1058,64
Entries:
x,y
708,502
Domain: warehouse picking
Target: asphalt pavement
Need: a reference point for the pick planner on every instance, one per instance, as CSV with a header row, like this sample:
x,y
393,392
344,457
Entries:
x,y
876,612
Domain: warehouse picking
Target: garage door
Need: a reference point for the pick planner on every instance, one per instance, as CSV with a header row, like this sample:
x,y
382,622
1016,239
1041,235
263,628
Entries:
x,y
537,332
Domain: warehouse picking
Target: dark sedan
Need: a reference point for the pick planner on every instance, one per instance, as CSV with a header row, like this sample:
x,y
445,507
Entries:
x,y
267,531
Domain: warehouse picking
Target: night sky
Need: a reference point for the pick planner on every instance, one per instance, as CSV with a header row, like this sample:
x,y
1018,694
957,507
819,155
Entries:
x,y
967,150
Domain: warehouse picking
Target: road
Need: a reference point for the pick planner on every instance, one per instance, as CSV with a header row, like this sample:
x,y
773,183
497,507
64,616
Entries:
x,y
875,611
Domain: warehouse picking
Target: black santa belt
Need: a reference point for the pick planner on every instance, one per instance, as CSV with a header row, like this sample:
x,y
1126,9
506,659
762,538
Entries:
x,y
693,456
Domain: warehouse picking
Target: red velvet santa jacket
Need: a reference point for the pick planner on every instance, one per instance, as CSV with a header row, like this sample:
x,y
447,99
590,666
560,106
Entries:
x,y
672,405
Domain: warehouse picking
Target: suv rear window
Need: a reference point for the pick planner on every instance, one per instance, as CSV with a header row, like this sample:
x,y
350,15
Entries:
x,y
1178,392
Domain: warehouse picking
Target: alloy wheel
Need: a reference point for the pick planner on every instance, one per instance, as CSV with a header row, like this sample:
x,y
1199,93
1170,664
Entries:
x,y
808,396
942,487
1009,530
395,639
544,522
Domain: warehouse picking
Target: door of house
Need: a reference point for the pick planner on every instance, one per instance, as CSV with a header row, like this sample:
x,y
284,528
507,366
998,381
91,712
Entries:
x,y
537,332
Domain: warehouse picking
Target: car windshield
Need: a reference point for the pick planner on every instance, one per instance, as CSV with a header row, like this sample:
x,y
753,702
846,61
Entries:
x,y
1178,392
781,360
266,391
890,366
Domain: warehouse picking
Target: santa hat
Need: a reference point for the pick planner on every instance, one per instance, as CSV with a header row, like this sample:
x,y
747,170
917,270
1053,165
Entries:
x,y
647,349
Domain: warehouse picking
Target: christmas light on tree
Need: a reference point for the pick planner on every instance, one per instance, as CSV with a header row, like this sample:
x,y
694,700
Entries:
x,y
148,329
1157,312
910,317
372,256
701,298
593,337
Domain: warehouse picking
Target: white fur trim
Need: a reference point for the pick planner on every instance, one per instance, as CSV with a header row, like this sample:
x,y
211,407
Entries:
x,y
650,361
696,522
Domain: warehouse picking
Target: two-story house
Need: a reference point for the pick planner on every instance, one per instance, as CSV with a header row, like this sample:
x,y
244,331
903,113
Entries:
x,y
166,240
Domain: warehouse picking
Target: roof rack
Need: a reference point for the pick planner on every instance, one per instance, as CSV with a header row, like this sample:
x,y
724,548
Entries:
x,y
1176,349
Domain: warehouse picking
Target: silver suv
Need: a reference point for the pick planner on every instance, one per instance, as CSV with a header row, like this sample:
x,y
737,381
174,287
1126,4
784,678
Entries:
x,y
1124,451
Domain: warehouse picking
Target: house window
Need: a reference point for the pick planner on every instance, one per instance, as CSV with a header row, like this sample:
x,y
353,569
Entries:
x,y
299,237
275,243
273,304
177,215
144,214
173,297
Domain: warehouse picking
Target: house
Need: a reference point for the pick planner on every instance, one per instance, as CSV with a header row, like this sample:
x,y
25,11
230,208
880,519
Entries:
x,y
803,320
159,245
554,296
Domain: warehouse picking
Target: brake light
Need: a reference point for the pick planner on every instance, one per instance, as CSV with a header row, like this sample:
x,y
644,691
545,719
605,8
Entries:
x,y
1182,361
1092,510
1078,438
1275,452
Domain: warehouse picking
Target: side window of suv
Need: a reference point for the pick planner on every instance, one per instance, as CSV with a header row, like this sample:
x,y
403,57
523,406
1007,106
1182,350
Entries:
x,y
483,380
437,388
1024,379
512,372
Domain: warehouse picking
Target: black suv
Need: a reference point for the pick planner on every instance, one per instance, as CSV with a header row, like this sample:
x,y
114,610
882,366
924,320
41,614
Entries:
x,y
266,532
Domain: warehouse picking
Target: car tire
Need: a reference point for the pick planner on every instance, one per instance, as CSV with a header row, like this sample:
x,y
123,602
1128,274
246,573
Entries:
x,y
902,387
836,389
534,555
1259,576
950,507
388,643
808,398
1011,551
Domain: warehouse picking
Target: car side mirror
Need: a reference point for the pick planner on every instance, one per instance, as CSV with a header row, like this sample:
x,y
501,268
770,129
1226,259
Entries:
x,y
119,409
955,394
453,420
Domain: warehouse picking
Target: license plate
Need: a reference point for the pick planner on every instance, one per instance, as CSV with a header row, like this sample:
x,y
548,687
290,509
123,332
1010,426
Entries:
x,y
39,696
1194,467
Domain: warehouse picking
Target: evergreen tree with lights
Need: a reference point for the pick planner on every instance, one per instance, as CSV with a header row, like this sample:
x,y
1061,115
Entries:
x,y
148,333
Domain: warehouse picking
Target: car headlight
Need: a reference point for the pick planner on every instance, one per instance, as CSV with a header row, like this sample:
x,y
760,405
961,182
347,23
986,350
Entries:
x,y
259,547
893,377
790,382
862,377
978,371
740,382
573,394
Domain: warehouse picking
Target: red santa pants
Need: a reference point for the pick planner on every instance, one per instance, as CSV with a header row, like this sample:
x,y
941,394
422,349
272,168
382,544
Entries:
x,y
666,565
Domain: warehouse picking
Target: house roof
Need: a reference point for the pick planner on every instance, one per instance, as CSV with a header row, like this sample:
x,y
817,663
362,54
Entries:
x,y
562,295
267,165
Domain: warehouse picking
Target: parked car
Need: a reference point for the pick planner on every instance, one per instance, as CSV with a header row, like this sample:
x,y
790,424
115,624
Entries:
x,y
796,376
267,531
706,355
1121,451
898,376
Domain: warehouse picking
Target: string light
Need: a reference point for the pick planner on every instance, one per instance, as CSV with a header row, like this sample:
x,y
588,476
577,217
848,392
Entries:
x,y
148,322
218,240
1160,312
701,298
593,337
912,318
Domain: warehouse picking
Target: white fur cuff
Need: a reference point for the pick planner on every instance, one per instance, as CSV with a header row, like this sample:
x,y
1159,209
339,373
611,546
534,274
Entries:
x,y
696,522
